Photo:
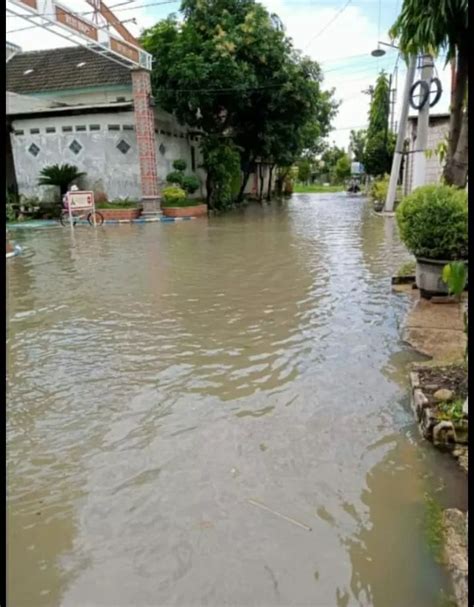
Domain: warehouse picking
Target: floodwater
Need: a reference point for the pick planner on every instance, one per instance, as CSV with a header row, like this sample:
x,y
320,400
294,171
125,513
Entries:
x,y
176,390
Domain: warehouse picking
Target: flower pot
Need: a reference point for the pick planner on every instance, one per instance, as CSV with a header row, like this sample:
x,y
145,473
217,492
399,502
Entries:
x,y
378,206
197,210
429,277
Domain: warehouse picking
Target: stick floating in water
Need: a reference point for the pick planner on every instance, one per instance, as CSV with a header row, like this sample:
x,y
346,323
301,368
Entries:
x,y
283,516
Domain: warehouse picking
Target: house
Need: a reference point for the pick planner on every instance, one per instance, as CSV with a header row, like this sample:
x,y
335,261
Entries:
x,y
72,105
437,132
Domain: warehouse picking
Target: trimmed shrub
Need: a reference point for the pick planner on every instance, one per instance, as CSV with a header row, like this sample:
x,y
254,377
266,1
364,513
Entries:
x,y
190,183
179,165
175,177
172,195
433,222
379,189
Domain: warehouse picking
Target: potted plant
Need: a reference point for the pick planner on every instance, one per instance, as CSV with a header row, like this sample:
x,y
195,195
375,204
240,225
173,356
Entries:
x,y
176,201
117,210
378,193
433,225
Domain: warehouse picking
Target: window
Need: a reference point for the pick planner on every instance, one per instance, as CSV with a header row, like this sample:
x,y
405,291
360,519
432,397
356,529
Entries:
x,y
193,158
75,147
20,132
34,131
128,127
50,129
119,99
162,149
80,127
123,146
67,129
94,127
34,150
114,127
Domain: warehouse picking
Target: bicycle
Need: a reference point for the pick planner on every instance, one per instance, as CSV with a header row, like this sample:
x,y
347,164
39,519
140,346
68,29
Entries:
x,y
76,215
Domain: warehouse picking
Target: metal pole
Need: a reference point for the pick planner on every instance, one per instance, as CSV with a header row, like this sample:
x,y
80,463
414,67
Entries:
x,y
419,157
397,156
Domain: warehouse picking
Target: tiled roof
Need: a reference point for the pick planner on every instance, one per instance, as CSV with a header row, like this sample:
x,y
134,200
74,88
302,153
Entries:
x,y
56,70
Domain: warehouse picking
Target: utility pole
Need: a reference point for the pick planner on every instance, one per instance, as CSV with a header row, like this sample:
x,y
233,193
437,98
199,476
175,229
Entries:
x,y
397,156
419,157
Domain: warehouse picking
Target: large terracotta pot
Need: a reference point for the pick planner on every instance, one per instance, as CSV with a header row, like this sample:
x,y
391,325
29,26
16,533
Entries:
x,y
122,214
429,277
197,210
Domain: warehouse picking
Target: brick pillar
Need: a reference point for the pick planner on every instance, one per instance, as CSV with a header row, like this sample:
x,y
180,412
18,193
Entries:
x,y
145,132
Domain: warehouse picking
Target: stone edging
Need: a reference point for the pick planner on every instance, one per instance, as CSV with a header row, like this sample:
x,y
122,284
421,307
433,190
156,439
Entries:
x,y
47,223
439,432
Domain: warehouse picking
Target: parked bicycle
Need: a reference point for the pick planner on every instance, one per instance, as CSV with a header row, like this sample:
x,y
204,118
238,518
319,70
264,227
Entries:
x,y
93,217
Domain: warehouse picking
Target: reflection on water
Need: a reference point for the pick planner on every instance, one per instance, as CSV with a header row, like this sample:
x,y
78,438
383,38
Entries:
x,y
161,376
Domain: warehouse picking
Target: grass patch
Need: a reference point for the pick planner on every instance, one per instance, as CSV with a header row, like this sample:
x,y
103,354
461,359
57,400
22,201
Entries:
x,y
407,269
301,188
451,411
117,204
187,202
433,528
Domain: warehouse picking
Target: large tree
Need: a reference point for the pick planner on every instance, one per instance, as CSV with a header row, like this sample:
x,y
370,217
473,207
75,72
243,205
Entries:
x,y
427,27
229,70
357,145
379,144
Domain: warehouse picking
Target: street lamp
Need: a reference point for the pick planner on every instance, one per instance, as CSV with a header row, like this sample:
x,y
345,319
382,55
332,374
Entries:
x,y
379,52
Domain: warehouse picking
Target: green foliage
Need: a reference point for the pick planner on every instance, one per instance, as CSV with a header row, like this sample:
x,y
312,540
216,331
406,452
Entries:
x,y
117,204
173,195
455,276
357,144
451,411
433,528
342,170
190,183
304,170
175,177
228,69
433,222
379,143
379,188
222,163
59,175
407,269
421,29
179,165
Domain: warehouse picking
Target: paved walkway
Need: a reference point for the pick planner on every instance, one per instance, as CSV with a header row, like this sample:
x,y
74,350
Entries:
x,y
47,223
435,329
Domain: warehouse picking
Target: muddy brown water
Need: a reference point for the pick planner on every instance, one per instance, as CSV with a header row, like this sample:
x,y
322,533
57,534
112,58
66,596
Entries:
x,y
160,376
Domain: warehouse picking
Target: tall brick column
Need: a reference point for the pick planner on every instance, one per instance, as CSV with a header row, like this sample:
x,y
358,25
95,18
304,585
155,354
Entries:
x,y
145,132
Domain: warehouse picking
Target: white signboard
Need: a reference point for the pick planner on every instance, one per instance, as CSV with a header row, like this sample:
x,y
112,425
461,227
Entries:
x,y
80,200
357,168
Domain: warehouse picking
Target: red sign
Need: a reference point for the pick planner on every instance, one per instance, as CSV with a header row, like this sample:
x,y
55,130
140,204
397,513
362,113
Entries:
x,y
80,200
80,25
124,49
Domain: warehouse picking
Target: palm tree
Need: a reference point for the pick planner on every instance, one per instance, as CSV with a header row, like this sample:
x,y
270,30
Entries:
x,y
428,27
59,175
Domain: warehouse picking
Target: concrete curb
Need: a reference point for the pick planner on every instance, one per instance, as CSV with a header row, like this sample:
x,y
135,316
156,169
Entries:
x,y
49,223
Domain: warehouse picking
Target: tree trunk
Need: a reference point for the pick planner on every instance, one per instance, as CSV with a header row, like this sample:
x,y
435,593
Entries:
x,y
456,109
455,172
270,176
261,178
240,196
209,191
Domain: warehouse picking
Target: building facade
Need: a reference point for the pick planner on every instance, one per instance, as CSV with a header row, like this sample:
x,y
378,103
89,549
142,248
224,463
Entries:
x,y
71,105
437,132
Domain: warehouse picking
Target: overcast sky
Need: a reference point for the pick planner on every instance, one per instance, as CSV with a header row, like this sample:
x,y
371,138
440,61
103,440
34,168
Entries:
x,y
338,34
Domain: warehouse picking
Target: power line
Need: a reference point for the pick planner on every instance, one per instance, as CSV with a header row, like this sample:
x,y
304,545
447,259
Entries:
x,y
330,22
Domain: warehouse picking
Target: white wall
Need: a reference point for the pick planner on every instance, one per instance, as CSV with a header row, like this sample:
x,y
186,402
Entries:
x,y
437,132
91,96
108,169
